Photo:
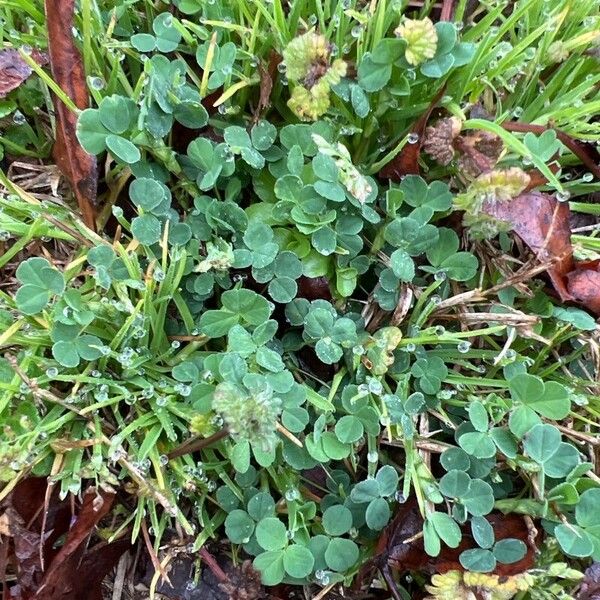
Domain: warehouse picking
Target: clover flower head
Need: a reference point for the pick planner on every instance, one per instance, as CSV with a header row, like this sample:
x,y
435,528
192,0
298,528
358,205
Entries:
x,y
421,39
309,68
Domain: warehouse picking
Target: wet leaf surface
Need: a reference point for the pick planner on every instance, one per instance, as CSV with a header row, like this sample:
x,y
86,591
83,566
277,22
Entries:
x,y
77,165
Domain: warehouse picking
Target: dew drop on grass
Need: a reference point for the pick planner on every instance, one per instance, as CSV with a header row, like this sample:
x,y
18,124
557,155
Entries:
x,y
399,497
587,177
312,19
413,138
440,330
19,118
52,372
410,347
373,456
563,196
463,347
356,31
96,83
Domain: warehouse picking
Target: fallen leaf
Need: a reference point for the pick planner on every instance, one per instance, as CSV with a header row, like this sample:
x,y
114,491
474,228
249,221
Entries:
x,y
14,70
406,162
590,586
63,568
584,285
77,165
543,224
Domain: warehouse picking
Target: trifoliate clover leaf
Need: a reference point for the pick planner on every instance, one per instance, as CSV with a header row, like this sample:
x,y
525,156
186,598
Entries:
x,y
417,193
549,399
167,35
373,76
39,282
239,306
444,257
410,235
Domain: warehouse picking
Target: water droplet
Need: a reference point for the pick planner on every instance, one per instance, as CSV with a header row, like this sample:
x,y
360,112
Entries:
x,y
399,497
356,31
51,372
175,344
410,347
312,19
164,460
413,138
161,401
463,347
96,83
373,456
19,118
587,177
158,275
26,49
563,196
440,330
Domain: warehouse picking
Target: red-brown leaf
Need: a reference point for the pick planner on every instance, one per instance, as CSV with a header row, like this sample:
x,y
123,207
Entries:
x,y
96,505
68,72
14,70
543,224
407,160
584,285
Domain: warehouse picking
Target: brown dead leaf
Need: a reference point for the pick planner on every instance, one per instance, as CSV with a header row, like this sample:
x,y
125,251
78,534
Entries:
x,y
96,505
584,285
590,586
406,162
77,165
14,70
543,224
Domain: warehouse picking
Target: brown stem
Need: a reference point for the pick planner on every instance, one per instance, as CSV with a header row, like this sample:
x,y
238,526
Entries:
x,y
209,559
196,444
447,10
